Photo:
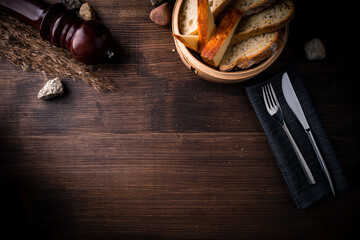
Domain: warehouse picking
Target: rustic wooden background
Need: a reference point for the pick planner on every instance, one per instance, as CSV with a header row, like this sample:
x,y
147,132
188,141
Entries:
x,y
171,156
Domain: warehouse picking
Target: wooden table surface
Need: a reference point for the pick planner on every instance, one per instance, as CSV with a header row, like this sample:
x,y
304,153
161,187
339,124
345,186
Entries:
x,y
171,156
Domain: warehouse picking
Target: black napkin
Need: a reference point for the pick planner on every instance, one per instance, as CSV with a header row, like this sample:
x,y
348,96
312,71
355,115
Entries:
x,y
304,194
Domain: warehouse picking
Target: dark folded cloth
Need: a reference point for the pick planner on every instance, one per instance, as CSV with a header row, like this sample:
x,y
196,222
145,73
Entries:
x,y
304,194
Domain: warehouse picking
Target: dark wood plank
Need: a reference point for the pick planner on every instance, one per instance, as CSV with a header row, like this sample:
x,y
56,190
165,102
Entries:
x,y
166,185
171,156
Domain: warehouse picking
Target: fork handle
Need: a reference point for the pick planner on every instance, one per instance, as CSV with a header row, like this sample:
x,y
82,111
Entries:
x,y
302,161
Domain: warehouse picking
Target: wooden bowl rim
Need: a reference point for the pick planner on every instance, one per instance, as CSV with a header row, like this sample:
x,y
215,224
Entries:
x,y
208,73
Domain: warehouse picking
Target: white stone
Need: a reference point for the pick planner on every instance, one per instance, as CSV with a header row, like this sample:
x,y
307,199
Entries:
x,y
51,89
87,12
314,49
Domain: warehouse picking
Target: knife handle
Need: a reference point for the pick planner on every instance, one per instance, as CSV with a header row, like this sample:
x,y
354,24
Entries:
x,y
302,161
320,158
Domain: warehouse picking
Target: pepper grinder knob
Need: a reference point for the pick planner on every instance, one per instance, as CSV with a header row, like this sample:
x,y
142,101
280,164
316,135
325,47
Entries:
x,y
91,42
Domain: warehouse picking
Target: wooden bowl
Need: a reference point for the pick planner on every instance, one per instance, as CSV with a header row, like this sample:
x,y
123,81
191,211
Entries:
x,y
214,75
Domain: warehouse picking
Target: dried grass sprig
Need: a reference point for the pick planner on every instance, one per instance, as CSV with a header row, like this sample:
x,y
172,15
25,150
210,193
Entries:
x,y
21,45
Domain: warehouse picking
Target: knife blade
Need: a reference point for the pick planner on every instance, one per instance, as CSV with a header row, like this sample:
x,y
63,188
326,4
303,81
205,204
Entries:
x,y
294,104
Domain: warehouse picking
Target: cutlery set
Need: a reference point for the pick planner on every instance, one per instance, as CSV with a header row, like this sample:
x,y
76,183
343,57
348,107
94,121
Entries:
x,y
274,109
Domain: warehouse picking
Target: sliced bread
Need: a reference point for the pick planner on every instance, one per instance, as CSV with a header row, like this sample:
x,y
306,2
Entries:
x,y
219,42
188,17
268,20
249,7
206,23
190,41
245,54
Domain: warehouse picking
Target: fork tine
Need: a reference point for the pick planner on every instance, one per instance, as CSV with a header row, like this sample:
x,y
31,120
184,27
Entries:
x,y
265,98
268,96
274,95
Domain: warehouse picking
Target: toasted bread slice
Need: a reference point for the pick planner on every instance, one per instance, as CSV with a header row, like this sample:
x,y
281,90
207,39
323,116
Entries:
x,y
206,23
188,17
216,47
268,20
249,7
190,41
245,54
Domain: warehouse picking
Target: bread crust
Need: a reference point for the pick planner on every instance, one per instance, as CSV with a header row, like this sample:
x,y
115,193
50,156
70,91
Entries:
x,y
227,25
247,62
202,23
228,68
216,13
238,37
204,19
221,8
257,8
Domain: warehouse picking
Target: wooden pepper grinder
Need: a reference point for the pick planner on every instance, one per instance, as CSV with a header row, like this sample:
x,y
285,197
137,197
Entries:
x,y
88,41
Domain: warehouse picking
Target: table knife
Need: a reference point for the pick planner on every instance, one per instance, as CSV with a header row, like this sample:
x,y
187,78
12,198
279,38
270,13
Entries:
x,y
294,104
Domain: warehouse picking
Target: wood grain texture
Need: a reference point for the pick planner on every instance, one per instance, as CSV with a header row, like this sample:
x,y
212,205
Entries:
x,y
170,156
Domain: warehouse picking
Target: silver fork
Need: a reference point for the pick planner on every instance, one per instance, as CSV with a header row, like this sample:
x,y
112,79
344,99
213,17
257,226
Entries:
x,y
274,109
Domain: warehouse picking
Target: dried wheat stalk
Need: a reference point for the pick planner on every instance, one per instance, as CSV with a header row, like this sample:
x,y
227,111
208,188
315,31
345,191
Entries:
x,y
22,46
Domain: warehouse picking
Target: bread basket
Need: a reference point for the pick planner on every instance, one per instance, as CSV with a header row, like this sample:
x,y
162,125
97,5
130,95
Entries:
x,y
211,74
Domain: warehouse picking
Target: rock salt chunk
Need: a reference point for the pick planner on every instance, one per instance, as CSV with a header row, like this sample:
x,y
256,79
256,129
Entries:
x,y
52,88
314,49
